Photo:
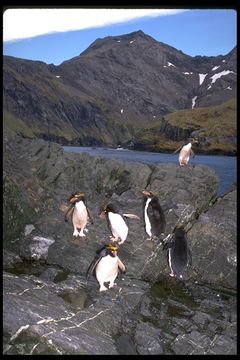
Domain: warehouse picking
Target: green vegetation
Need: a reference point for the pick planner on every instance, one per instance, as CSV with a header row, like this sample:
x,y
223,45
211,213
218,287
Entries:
x,y
218,120
13,124
16,212
216,123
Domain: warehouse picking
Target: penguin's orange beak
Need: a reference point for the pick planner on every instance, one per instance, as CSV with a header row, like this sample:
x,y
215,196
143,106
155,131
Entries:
x,y
145,192
102,214
70,197
114,252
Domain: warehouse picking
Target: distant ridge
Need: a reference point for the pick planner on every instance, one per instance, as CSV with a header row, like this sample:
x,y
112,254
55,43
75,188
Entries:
x,y
118,85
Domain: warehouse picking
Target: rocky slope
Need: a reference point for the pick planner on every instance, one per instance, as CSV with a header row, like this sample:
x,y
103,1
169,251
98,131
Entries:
x,y
117,85
216,133
50,308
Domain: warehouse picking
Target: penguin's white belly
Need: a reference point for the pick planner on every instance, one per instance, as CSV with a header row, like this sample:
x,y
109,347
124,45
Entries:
x,y
146,218
185,154
118,226
184,157
80,215
107,269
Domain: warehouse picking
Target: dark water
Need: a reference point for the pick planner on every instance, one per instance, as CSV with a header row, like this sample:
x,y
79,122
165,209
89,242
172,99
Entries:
x,y
224,166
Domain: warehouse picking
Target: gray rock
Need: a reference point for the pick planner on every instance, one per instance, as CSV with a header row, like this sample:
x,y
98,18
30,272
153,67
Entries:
x,y
213,242
10,259
52,325
28,229
35,247
125,345
58,312
147,339
49,274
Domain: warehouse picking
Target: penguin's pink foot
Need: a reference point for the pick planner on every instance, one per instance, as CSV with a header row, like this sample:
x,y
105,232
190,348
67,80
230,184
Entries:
x,y
103,288
112,285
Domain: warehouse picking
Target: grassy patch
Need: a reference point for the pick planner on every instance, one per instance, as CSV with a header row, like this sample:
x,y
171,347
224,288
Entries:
x,y
13,124
217,123
16,212
214,120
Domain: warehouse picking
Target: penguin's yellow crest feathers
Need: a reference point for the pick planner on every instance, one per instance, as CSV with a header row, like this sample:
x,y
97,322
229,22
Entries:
x,y
78,194
112,247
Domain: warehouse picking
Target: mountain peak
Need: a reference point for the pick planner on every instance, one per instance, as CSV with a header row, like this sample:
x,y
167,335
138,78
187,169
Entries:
x,y
135,33
109,41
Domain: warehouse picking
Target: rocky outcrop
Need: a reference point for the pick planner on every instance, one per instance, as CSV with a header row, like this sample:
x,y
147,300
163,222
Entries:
x,y
48,324
217,230
212,239
42,317
48,305
174,132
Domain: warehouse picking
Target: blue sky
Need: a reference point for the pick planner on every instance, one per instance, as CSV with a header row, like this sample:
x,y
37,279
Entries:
x,y
208,32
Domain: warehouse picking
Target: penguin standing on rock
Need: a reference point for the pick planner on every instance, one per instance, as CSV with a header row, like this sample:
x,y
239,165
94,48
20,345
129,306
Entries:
x,y
116,222
153,215
178,253
106,265
79,213
185,152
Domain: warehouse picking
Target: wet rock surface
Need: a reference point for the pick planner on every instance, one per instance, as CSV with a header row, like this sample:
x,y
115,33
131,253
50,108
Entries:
x,y
48,305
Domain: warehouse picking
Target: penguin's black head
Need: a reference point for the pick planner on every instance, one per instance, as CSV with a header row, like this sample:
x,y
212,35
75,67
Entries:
x,y
179,231
104,209
112,249
75,197
148,193
193,141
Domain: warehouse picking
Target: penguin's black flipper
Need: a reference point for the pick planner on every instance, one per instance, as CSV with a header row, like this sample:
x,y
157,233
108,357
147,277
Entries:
x,y
99,255
122,266
89,215
92,266
178,149
69,213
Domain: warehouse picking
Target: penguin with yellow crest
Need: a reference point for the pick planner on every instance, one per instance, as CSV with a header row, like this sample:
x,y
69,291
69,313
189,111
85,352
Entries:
x,y
79,213
106,265
116,222
153,215
185,152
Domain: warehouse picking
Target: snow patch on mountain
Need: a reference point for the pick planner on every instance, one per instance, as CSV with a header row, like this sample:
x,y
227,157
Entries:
x,y
218,75
194,101
201,78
